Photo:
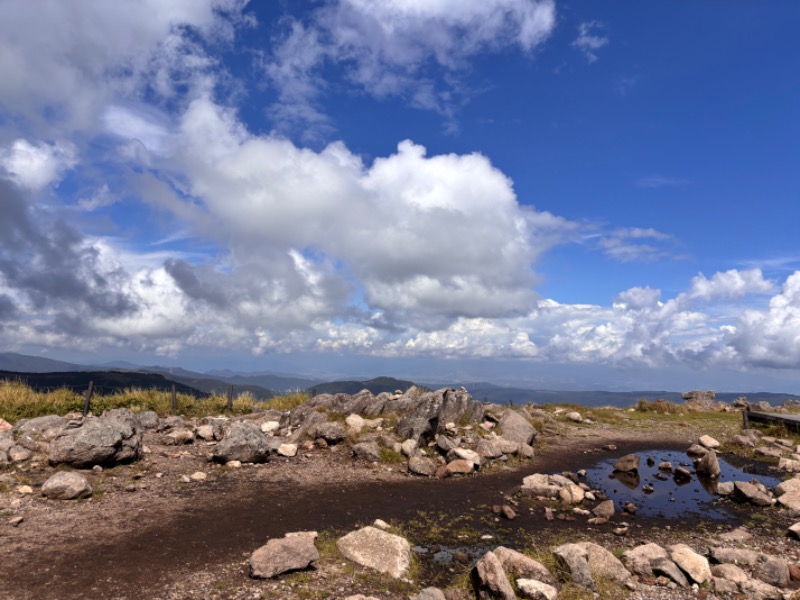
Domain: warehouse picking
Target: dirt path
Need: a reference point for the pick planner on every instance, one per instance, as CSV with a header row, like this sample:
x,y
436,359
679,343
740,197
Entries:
x,y
139,545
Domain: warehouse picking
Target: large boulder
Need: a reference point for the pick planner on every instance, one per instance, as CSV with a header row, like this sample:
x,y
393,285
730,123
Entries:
x,y
516,428
47,426
66,485
627,464
490,580
115,437
522,566
244,442
378,550
293,552
433,410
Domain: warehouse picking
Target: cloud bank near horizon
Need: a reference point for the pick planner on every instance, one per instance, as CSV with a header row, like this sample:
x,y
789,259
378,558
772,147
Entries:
x,y
269,246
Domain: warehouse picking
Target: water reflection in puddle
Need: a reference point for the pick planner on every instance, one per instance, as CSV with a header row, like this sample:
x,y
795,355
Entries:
x,y
671,496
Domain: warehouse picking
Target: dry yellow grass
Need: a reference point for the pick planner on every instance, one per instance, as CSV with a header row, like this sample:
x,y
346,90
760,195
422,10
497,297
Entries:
x,y
18,401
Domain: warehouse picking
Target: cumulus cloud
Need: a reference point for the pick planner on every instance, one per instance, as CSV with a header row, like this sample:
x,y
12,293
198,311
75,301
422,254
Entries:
x,y
424,239
588,41
63,63
398,48
36,166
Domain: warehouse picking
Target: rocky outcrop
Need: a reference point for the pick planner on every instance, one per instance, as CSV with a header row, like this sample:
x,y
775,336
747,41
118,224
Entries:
x,y
244,442
113,438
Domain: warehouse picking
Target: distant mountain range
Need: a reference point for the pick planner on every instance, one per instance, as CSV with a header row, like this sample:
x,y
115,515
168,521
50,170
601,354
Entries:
x,y
264,385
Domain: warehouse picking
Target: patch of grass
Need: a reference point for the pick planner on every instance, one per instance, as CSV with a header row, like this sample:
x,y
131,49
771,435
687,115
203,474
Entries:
x,y
18,401
287,401
659,406
390,456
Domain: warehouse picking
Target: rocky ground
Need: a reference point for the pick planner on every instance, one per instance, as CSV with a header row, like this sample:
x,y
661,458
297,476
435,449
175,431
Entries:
x,y
473,501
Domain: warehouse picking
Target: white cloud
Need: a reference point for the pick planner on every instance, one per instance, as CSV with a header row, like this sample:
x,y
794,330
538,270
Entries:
x,y
36,166
588,42
424,238
399,48
62,63
629,244
733,284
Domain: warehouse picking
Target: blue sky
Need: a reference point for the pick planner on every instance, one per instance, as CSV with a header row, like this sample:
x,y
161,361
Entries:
x,y
576,195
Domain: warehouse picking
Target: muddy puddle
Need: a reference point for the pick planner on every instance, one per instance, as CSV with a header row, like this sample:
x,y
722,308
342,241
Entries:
x,y
657,492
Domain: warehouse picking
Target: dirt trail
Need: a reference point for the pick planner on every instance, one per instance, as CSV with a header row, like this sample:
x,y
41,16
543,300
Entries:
x,y
223,521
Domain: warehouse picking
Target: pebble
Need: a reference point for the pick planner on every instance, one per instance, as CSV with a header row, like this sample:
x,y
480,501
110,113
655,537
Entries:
x,y
25,489
15,521
198,476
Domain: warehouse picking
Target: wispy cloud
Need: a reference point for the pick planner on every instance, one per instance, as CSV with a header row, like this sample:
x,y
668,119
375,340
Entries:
x,y
636,244
588,41
412,51
659,181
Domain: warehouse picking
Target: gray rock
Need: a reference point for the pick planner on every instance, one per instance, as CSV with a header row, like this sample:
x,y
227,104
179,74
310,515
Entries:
x,y
414,428
604,510
775,571
38,425
540,484
66,485
745,491
331,432
488,449
288,450
522,566
178,437
755,589
408,447
736,556
627,464
667,568
290,553
506,446
708,465
708,442
490,580
574,559
421,465
148,419
640,559
19,454
369,451
790,485
460,467
729,572
244,442
690,562
536,590
113,438
790,500
516,428
603,564
696,451
378,550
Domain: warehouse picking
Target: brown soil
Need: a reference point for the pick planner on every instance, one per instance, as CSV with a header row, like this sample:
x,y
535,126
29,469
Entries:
x,y
145,535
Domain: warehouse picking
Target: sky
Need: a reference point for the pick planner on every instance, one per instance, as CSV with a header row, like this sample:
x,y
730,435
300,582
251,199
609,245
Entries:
x,y
555,194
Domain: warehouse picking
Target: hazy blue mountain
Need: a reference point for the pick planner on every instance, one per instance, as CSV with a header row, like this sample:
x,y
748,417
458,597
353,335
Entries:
x,y
11,361
105,382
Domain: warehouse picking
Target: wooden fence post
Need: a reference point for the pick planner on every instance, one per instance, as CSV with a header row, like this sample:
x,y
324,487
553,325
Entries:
x,y
174,400
745,418
87,398
230,398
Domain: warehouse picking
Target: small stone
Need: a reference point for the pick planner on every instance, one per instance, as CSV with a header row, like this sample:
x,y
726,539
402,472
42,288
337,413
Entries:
x,y
24,490
708,442
536,590
66,485
16,521
198,476
627,464
288,450
232,464
270,426
381,524
508,512
605,509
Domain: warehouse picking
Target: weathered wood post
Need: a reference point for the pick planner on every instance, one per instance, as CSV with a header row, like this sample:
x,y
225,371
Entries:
x,y
230,398
87,398
746,418
174,400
